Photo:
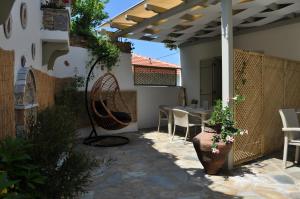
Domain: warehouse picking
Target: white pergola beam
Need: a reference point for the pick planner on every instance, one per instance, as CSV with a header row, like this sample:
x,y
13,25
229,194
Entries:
x,y
227,58
134,18
155,8
169,13
118,25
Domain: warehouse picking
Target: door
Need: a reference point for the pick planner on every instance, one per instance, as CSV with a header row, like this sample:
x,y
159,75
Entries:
x,y
210,81
206,83
217,79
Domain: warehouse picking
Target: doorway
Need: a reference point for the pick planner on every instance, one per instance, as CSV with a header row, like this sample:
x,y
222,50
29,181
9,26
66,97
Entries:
x,y
210,81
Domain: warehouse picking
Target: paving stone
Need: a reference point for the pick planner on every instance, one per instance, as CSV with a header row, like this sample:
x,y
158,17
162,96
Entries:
x,y
283,179
150,167
88,195
269,192
252,197
162,181
195,196
249,195
295,195
295,174
138,174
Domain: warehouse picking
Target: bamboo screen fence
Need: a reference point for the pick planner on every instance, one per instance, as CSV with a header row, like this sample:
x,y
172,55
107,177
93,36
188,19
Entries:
x,y
45,89
268,84
7,114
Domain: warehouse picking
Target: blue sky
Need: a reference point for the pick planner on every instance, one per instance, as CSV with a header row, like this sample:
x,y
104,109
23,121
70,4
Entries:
x,y
150,49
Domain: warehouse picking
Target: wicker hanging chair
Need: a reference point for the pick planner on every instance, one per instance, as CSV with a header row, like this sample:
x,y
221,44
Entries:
x,y
106,108
109,109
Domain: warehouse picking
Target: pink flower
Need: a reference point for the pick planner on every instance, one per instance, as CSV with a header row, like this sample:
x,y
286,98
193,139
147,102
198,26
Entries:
x,y
215,150
229,138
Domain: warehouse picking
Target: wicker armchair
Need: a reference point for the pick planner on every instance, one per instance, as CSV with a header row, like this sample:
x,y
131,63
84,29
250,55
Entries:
x,y
291,129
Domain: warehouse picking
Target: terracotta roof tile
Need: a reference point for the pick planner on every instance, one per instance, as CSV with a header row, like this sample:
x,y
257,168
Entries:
x,y
139,60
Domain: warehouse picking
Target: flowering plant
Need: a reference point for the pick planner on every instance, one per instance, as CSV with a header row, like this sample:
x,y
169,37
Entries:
x,y
223,123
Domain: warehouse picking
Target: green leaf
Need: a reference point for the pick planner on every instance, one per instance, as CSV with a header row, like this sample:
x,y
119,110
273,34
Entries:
x,y
5,182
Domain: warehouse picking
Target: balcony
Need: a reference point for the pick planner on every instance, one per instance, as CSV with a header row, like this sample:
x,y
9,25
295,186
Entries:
x,y
5,8
56,19
55,34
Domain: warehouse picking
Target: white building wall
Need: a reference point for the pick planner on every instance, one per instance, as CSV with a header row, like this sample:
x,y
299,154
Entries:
x,y
280,41
78,63
78,60
22,39
190,65
148,98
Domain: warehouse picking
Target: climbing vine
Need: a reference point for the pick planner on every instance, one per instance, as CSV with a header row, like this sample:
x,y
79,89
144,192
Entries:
x,y
87,15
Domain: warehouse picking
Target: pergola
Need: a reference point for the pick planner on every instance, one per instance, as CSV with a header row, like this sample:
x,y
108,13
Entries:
x,y
180,22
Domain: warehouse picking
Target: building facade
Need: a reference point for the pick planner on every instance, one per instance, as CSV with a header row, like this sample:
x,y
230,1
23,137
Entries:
x,y
32,35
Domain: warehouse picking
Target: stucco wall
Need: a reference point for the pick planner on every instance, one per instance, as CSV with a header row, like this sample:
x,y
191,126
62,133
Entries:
x,y
148,98
190,64
20,44
280,41
78,60
21,39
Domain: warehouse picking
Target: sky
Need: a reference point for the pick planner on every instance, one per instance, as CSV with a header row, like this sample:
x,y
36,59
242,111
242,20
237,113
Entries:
x,y
145,48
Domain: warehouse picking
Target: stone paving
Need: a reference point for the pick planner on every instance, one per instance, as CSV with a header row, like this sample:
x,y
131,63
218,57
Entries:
x,y
152,167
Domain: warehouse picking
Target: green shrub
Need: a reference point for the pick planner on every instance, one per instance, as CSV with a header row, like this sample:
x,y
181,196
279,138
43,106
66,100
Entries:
x,y
19,175
46,157
71,99
66,169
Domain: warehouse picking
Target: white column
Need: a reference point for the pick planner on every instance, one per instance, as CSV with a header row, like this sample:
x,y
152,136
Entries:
x,y
227,58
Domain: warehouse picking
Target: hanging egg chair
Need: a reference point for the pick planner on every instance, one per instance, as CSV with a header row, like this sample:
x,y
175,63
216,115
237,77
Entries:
x,y
107,109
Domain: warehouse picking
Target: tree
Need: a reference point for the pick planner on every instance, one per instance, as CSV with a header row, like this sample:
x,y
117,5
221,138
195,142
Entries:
x,y
87,15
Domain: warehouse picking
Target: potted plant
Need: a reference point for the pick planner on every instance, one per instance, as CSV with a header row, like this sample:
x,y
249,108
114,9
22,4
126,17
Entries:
x,y
215,142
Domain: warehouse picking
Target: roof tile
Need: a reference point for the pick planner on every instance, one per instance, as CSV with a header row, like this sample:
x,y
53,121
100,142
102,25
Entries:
x,y
147,61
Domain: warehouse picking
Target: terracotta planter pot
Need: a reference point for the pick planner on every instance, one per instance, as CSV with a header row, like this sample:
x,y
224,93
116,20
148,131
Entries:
x,y
211,162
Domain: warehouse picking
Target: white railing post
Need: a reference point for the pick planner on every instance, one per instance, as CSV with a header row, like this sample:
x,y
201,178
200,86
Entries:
x,y
227,59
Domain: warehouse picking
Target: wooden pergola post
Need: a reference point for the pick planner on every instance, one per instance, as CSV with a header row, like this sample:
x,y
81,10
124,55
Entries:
x,y
227,59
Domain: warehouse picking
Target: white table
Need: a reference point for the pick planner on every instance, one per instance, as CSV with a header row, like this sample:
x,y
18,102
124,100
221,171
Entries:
x,y
192,111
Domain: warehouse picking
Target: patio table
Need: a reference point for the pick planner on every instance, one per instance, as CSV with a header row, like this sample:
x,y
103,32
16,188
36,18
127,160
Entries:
x,y
193,111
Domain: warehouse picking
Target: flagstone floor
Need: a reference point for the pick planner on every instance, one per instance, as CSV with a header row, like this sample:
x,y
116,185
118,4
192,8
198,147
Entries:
x,y
152,167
